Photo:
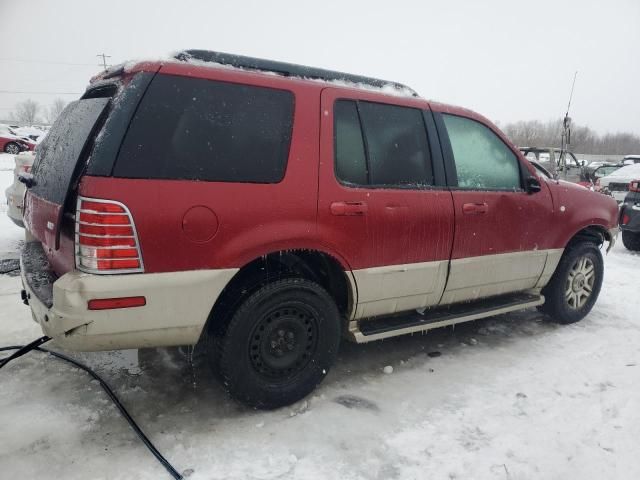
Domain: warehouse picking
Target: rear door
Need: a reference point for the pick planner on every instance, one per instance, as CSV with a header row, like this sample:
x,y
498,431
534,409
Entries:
x,y
500,243
383,203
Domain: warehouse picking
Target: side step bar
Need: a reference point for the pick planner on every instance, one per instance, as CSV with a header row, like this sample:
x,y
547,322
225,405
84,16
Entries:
x,y
410,322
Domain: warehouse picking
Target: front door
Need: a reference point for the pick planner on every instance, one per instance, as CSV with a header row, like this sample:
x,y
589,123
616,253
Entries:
x,y
499,245
383,204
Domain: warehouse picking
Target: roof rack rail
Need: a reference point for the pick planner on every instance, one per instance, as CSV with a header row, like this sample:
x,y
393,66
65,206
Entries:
x,y
283,68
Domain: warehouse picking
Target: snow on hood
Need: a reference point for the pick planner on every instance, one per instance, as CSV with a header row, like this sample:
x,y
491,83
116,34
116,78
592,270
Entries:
x,y
625,174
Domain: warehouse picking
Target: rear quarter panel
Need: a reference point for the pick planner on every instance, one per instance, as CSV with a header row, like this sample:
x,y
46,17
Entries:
x,y
250,219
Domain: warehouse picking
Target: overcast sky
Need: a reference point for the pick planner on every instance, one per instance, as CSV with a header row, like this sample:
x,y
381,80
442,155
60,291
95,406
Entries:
x,y
508,60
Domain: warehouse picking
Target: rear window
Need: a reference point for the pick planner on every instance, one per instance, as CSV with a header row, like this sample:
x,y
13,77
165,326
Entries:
x,y
58,154
196,129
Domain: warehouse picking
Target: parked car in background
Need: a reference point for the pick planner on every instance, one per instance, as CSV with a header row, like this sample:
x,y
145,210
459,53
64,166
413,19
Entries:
x,y
269,210
12,143
33,133
631,159
617,182
630,217
15,192
590,169
552,160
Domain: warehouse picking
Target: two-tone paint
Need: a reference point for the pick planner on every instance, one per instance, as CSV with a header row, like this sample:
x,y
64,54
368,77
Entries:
x,y
400,249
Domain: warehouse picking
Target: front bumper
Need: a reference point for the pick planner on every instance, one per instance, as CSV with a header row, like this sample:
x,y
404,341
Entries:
x,y
177,305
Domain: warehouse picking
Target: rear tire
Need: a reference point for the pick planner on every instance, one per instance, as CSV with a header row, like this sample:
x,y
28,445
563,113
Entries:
x,y
12,148
631,240
279,344
575,285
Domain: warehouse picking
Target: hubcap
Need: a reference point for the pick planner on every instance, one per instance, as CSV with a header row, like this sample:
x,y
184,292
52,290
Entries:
x,y
579,285
283,342
13,150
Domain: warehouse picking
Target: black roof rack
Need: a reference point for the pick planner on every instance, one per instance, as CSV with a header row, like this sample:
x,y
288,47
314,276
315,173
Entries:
x,y
283,68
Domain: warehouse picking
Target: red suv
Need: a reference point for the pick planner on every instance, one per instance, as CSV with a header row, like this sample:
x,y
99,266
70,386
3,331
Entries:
x,y
270,209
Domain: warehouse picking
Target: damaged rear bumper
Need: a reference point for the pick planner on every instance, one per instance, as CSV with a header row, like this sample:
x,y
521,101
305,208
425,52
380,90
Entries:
x,y
177,305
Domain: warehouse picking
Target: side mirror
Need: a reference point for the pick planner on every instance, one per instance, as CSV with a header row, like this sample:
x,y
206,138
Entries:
x,y
532,185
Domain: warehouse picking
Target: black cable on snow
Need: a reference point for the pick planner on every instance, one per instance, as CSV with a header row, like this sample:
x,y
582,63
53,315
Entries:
x,y
35,345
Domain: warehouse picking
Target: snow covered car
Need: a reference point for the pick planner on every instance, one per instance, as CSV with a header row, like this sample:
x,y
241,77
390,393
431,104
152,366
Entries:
x,y
15,192
617,183
267,210
12,143
630,217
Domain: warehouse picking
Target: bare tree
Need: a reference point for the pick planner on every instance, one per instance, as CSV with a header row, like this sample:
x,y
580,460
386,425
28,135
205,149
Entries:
x,y
26,112
55,109
533,133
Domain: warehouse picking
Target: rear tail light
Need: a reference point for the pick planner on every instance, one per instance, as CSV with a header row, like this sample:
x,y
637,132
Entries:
x,y
625,219
634,186
106,238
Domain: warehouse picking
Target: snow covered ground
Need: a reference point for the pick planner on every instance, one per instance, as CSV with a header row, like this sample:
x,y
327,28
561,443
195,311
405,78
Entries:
x,y
510,398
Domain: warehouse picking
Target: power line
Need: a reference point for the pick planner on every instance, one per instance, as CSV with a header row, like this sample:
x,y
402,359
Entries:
x,y
40,93
104,59
19,60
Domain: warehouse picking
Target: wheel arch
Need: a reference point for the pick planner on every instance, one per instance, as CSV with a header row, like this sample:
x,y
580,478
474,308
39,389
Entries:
x,y
593,233
312,264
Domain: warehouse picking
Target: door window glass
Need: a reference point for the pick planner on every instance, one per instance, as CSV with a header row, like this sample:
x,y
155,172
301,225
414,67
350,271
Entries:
x,y
483,161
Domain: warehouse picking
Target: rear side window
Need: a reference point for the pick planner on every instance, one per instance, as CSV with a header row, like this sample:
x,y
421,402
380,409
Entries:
x,y
351,161
483,161
196,129
381,145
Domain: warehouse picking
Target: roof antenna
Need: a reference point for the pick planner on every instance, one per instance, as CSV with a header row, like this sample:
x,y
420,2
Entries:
x,y
566,131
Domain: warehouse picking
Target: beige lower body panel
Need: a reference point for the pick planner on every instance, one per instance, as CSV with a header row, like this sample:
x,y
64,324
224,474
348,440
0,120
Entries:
x,y
491,275
177,307
397,288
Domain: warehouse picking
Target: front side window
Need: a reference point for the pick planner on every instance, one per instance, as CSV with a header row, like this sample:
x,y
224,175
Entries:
x,y
197,129
381,145
483,161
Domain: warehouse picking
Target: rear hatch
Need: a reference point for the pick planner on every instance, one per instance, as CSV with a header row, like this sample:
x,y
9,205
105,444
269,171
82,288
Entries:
x,y
56,166
86,135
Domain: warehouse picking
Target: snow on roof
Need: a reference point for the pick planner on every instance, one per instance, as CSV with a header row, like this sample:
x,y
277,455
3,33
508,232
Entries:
x,y
385,87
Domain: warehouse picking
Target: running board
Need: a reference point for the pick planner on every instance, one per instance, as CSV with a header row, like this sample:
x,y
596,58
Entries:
x,y
411,322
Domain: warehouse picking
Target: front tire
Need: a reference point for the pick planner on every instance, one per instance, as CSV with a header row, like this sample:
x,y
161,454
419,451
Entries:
x,y
631,240
279,344
575,285
12,148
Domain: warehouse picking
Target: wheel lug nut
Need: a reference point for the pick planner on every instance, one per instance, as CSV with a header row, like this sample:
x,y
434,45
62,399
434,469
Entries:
x,y
281,333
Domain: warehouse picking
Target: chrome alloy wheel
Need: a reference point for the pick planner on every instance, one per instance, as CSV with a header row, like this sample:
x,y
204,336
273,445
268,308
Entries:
x,y
12,149
579,284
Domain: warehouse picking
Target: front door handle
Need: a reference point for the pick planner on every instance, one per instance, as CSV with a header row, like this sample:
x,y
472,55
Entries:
x,y
474,208
348,208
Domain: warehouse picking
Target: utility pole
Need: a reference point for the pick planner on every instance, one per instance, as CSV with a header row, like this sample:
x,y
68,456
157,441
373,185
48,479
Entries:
x,y
104,59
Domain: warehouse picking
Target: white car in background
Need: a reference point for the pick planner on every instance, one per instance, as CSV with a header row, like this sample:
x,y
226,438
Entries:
x,y
617,183
15,192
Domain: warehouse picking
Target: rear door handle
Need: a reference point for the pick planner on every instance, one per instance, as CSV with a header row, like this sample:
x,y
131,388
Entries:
x,y
474,208
348,208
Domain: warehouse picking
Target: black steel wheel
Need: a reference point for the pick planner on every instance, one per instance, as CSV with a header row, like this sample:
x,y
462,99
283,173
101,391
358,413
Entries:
x,y
279,344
